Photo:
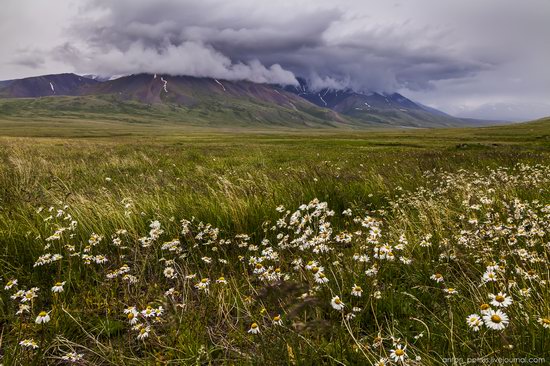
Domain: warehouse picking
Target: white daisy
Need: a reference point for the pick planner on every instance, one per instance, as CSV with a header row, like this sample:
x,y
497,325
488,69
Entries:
x,y
143,333
496,320
254,328
356,290
336,303
58,287
500,300
474,322
28,343
42,318
398,354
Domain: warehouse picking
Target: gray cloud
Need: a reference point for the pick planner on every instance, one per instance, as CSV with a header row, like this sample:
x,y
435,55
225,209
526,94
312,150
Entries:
x,y
456,56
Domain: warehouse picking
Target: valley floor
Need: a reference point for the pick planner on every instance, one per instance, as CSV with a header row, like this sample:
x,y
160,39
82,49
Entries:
x,y
200,246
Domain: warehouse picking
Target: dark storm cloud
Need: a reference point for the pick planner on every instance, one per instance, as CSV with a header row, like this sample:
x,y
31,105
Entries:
x,y
270,43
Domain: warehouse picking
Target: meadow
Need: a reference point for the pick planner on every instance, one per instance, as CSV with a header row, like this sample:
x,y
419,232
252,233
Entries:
x,y
132,244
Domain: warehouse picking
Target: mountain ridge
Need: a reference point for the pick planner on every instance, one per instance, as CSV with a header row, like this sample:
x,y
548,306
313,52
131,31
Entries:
x,y
252,101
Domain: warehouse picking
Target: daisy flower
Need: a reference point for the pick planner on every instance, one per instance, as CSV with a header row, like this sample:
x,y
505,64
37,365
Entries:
x,y
437,277
484,308
500,300
170,272
398,354
254,328
356,291
545,322
474,322
58,287
336,303
28,343
72,357
381,362
144,333
42,318
496,320
321,278
221,280
10,284
450,291
277,320
132,314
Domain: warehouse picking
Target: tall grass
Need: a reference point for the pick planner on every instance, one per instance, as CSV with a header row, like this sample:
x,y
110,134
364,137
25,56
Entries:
x,y
439,209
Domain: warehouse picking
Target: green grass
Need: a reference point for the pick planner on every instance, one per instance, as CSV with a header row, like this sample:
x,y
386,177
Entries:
x,y
411,182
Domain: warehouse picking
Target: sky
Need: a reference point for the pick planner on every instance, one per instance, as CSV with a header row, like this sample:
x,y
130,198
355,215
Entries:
x,y
471,58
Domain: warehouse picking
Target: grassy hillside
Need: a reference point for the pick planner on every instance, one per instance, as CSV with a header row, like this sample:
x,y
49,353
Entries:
x,y
231,112
201,235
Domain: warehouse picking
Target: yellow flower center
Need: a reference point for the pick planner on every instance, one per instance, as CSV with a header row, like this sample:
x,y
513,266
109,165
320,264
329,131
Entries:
x,y
399,352
338,301
277,318
496,319
357,289
130,316
484,306
204,280
499,298
546,321
142,330
42,314
254,326
58,284
438,275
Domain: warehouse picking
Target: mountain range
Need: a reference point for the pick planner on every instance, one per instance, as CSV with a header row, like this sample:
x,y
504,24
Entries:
x,y
217,102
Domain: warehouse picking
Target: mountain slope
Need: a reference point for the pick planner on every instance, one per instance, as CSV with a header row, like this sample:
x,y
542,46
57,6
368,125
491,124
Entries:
x,y
176,98
186,98
47,85
393,109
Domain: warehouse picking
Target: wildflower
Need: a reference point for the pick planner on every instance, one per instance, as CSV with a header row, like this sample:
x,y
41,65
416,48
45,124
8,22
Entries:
x,y
450,291
484,308
381,362
277,320
132,314
545,322
438,277
149,312
336,303
72,357
23,308
28,343
144,333
356,291
30,294
474,322
58,287
221,280
500,300
10,284
489,276
203,284
42,318
254,328
320,277
169,272
496,320
398,354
